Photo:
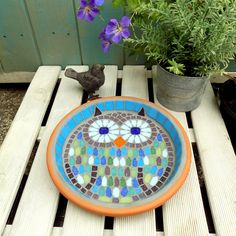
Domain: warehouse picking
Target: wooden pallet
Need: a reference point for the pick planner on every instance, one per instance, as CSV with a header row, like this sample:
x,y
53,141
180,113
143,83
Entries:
x,y
183,214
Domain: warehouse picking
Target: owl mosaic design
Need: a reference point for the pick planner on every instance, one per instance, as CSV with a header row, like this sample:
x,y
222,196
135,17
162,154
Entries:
x,y
118,156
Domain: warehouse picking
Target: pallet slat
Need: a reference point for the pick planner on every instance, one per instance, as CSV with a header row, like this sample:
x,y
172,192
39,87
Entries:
x,y
22,136
134,83
37,208
184,213
78,221
218,162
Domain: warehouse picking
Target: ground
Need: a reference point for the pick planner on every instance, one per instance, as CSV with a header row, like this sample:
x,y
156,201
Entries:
x,y
10,99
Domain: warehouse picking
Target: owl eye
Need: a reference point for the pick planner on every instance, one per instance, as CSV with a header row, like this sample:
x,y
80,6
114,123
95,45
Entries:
x,y
103,131
135,131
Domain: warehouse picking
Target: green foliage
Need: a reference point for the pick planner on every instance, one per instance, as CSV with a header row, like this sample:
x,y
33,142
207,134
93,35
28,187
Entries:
x,y
190,37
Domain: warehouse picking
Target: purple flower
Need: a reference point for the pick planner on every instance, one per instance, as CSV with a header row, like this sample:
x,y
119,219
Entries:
x,y
99,2
106,42
88,10
118,30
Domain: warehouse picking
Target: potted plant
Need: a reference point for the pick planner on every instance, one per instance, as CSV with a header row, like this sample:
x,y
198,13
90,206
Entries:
x,y
188,40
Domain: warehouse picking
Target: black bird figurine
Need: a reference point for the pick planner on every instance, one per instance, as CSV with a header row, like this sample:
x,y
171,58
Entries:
x,y
90,80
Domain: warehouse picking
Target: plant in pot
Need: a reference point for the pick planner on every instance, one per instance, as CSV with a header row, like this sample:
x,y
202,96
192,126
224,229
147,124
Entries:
x,y
188,39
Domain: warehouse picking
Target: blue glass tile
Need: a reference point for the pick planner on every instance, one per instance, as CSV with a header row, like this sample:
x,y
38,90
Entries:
x,y
78,117
135,162
173,134
112,152
59,150
95,188
138,106
135,183
161,118
153,170
124,191
160,172
79,136
159,137
60,140
118,153
138,190
90,150
103,160
140,162
71,124
65,131
86,114
109,105
129,105
168,125
124,151
153,113
99,181
81,169
97,161
135,130
103,130
108,192
95,152
147,151
75,171
141,152
101,106
120,105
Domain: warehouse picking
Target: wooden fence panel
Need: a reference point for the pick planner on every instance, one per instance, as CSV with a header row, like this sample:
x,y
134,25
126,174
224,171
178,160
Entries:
x,y
54,25
18,50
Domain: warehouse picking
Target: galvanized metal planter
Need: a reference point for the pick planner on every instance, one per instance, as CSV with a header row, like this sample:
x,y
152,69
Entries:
x,y
179,93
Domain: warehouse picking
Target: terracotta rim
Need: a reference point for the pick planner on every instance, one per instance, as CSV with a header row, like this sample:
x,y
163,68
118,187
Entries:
x,y
119,211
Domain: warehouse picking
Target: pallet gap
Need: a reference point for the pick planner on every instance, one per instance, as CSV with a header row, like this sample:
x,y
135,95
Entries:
x,y
21,86
84,97
118,87
12,214
207,209
31,159
61,211
45,119
109,222
150,90
189,119
159,219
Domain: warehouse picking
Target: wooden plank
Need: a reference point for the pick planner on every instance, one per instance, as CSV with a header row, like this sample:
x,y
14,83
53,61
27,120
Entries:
x,y
18,49
184,213
54,25
192,135
41,133
134,83
38,204
22,135
16,77
78,221
218,163
90,44
57,231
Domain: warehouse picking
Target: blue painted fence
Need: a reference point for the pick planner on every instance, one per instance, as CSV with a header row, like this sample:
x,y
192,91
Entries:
x,y
46,32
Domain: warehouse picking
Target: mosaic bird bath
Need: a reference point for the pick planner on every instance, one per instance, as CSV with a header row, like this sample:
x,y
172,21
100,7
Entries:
x,y
118,156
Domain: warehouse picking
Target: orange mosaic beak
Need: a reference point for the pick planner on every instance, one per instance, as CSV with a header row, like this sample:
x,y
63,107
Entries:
x,y
119,142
